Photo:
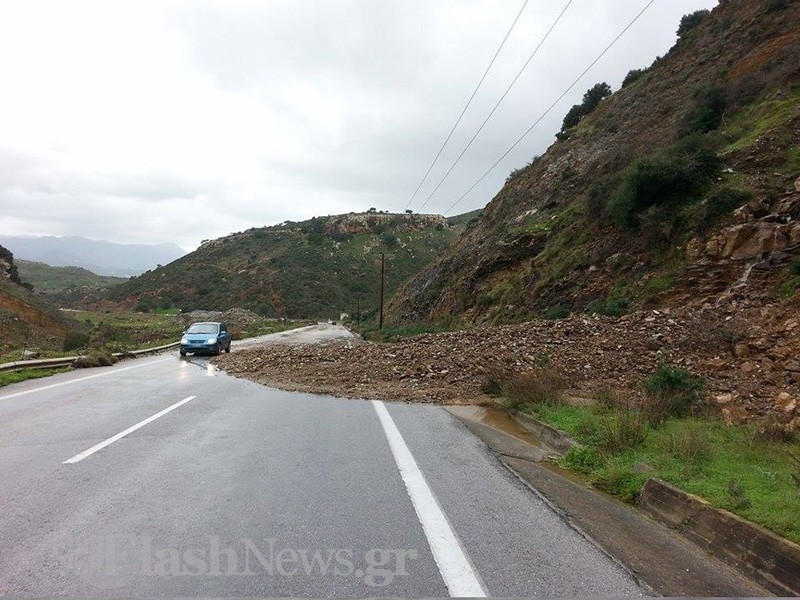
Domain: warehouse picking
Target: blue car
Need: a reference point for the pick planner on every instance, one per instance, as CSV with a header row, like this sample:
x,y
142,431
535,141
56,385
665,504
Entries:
x,y
205,338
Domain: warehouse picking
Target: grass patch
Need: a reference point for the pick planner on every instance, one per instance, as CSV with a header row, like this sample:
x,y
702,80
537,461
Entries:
x,y
697,454
9,377
756,120
793,162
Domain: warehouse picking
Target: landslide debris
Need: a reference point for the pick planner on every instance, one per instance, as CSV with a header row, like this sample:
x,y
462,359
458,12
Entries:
x,y
749,360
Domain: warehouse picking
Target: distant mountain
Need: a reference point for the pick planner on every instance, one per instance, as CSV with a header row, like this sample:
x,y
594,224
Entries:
x,y
100,257
315,268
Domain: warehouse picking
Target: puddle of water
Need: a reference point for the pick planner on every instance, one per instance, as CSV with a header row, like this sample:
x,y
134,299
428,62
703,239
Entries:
x,y
496,419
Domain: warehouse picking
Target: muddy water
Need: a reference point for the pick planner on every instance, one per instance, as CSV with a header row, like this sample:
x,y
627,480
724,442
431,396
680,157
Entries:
x,y
497,419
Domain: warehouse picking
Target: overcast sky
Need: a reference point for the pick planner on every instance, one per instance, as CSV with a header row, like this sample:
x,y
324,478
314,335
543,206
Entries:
x,y
157,121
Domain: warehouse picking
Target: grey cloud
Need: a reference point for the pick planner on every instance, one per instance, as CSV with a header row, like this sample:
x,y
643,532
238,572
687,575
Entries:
x,y
366,91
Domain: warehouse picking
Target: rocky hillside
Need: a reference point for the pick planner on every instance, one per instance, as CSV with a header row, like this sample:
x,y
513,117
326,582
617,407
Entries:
x,y
312,269
680,188
23,316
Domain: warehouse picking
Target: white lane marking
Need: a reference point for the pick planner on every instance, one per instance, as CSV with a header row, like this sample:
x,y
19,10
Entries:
x,y
454,565
122,434
55,385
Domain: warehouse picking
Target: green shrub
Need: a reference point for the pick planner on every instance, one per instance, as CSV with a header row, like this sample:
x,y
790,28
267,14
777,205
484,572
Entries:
x,y
99,358
794,268
708,110
692,21
610,307
75,339
389,239
632,76
622,431
775,5
690,445
537,387
773,429
793,161
591,100
672,176
672,392
720,203
554,313
620,482
583,459
492,384
737,497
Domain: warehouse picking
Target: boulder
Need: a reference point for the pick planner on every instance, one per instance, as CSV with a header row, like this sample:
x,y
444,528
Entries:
x,y
751,240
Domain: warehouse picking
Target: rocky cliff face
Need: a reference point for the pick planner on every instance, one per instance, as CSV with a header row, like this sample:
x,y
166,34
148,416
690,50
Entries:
x,y
357,224
549,242
8,269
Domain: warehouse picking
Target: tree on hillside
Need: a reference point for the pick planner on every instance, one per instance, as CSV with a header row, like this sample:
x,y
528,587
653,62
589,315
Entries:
x,y
591,100
689,22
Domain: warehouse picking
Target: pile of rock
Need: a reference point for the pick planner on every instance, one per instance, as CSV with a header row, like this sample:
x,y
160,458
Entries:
x,y
747,367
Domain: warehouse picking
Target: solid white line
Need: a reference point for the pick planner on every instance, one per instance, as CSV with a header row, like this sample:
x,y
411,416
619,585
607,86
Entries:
x,y
454,565
122,434
103,374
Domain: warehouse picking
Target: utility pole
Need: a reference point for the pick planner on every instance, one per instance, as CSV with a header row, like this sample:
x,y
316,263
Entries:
x,y
383,270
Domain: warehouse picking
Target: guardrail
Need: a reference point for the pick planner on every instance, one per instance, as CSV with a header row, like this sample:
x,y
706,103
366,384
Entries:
x,y
66,361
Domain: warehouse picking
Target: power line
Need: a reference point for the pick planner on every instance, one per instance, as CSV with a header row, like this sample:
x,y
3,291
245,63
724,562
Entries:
x,y
497,105
467,105
552,106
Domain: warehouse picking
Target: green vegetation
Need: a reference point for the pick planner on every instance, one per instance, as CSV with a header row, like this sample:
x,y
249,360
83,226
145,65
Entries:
x,y
721,202
121,331
555,313
672,392
591,100
793,161
709,108
754,121
699,455
49,280
633,76
96,358
9,377
791,284
317,269
692,21
670,177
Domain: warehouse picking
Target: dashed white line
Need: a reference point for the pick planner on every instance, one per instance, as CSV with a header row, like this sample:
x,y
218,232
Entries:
x,y
122,434
105,373
454,565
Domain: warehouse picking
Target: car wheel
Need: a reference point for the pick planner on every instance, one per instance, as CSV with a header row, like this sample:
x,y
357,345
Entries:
x,y
228,349
217,350
183,353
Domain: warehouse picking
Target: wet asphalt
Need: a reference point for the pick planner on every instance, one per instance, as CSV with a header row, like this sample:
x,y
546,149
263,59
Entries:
x,y
250,491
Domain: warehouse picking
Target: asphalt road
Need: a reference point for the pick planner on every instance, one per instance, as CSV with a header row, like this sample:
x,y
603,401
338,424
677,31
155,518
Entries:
x,y
164,477
321,332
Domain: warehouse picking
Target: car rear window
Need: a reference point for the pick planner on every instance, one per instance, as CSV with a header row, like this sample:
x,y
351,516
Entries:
x,y
202,328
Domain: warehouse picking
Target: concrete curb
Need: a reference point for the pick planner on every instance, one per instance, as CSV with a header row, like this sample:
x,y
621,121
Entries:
x,y
552,437
770,559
